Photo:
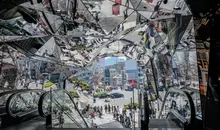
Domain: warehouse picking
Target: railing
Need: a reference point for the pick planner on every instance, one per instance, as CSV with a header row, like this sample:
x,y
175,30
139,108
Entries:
x,y
44,110
23,103
60,100
178,94
3,99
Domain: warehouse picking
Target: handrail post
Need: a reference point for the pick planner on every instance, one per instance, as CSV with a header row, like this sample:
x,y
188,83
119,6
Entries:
x,y
51,104
146,112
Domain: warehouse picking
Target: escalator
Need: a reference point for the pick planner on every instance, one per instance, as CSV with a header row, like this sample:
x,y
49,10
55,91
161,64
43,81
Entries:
x,y
178,116
62,109
19,106
3,99
177,111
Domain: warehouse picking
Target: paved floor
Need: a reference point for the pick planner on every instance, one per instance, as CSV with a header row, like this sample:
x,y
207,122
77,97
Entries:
x,y
37,123
114,124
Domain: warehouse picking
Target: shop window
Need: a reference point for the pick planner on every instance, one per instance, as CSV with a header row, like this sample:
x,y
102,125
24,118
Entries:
x,y
203,55
198,55
206,77
205,65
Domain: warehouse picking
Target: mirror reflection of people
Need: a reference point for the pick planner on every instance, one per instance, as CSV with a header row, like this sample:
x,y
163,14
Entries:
x,y
94,100
61,119
173,105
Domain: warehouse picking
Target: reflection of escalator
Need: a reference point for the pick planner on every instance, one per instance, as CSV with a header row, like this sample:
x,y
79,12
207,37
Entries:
x,y
20,105
177,111
64,106
3,99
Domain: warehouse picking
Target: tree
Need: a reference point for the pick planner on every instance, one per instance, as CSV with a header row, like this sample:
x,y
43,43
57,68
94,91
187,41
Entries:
x,y
188,66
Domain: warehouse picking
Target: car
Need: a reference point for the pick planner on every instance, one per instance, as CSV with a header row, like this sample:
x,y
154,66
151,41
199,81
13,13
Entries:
x,y
116,95
104,95
129,88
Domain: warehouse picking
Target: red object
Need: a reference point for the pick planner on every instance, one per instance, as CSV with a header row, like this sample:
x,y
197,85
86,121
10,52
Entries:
x,y
51,68
76,3
116,9
132,82
149,1
7,67
118,1
92,114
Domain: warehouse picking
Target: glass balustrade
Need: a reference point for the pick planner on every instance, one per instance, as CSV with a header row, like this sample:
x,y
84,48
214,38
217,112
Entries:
x,y
65,114
22,103
179,101
4,98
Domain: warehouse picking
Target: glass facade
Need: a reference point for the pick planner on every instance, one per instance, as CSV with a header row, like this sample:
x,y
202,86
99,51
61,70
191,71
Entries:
x,y
52,47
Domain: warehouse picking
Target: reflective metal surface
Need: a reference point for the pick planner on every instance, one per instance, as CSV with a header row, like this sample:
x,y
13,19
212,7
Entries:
x,y
64,108
22,103
181,102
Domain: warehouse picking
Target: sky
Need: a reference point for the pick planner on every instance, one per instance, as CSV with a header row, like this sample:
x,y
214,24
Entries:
x,y
129,64
114,60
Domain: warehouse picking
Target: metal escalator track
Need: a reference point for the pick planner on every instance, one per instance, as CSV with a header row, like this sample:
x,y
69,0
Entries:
x,y
61,101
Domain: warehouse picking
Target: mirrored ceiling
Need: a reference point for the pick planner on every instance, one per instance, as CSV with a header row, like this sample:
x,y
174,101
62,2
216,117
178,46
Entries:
x,y
77,32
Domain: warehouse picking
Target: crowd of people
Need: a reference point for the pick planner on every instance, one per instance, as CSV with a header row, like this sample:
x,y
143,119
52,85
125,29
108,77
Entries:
x,y
99,111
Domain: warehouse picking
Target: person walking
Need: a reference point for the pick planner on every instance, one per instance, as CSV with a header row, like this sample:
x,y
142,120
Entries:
x,y
94,100
101,109
106,108
109,108
61,119
118,109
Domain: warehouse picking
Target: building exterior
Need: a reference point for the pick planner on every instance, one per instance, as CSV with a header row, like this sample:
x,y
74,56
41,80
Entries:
x,y
107,77
118,66
116,81
113,72
84,75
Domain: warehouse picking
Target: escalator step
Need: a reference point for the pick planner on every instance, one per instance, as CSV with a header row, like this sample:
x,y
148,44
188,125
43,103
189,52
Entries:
x,y
162,123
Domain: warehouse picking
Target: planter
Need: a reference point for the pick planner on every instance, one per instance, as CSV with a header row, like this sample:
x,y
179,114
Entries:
x,y
48,85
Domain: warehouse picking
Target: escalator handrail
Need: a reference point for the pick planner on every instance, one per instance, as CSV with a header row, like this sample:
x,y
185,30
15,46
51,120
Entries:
x,y
11,91
40,105
69,115
178,116
2,106
41,112
76,107
8,111
191,103
8,92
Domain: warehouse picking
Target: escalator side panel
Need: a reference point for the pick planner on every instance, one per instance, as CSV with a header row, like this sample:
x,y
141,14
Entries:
x,y
40,105
3,103
44,109
30,108
175,115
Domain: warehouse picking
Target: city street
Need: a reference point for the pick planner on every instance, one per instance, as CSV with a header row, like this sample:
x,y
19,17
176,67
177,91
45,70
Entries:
x,y
107,120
